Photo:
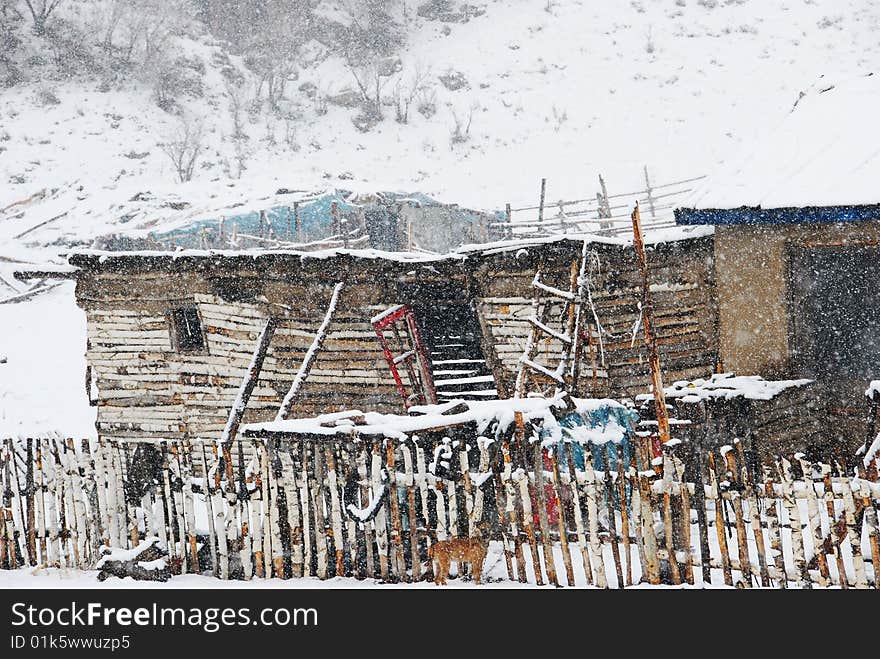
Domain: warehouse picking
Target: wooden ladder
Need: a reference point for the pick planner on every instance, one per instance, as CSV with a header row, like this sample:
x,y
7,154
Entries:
x,y
411,355
565,374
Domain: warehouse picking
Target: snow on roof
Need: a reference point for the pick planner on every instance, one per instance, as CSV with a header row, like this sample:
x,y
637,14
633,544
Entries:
x,y
109,259
824,153
423,418
726,386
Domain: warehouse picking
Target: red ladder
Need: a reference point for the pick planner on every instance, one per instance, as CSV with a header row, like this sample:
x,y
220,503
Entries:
x,y
412,354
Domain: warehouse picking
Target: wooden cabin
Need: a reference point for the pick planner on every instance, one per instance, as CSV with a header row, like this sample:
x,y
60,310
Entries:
x,y
171,336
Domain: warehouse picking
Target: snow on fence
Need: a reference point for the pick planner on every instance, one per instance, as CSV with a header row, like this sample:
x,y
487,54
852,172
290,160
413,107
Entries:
x,y
370,509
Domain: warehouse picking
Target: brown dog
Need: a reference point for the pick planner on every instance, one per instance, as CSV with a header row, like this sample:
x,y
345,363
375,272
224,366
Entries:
x,y
461,550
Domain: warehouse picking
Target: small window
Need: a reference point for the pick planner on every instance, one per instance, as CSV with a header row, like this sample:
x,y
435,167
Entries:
x,y
188,334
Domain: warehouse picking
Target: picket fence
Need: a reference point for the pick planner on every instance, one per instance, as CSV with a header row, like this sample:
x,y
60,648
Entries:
x,y
369,509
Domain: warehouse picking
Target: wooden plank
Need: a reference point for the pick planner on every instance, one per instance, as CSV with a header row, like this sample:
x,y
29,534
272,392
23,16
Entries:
x,y
335,511
590,490
378,486
783,468
541,498
397,534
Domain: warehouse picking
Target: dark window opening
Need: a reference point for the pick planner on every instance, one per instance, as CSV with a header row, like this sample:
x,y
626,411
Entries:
x,y
188,334
836,312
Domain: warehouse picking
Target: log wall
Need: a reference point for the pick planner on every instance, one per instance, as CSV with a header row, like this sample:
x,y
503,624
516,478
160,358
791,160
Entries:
x,y
682,286
147,389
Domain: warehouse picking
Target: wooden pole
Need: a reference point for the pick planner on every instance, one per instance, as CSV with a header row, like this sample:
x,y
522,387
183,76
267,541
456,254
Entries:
x,y
546,541
648,326
297,223
579,518
832,526
541,203
624,514
720,530
814,520
754,514
560,518
650,192
772,512
742,544
783,467
246,389
310,356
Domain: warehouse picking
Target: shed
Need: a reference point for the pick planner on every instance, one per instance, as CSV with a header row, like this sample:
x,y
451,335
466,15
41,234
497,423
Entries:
x,y
172,335
797,241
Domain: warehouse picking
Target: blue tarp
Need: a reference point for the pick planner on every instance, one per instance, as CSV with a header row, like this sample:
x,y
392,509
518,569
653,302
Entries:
x,y
314,216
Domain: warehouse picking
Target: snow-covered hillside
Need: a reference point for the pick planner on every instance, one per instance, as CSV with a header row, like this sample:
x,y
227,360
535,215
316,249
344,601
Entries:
x,y
565,90
562,89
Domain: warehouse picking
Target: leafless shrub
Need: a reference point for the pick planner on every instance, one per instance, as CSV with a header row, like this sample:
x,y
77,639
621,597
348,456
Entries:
x,y
406,91
426,102
461,127
183,148
236,97
370,83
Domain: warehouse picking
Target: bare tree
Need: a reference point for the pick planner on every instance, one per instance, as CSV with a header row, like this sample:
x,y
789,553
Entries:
x,y
370,82
406,92
183,148
40,12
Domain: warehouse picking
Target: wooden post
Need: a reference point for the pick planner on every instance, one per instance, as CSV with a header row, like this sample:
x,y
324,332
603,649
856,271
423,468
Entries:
x,y
783,467
560,519
814,520
650,192
742,543
772,512
289,224
396,525
720,529
593,521
294,520
624,514
754,514
380,521
410,485
872,527
510,505
526,503
335,511
500,479
305,502
603,204
852,533
668,521
579,518
297,223
648,326
29,494
262,223
546,541
541,203
685,516
508,230
423,495
832,526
